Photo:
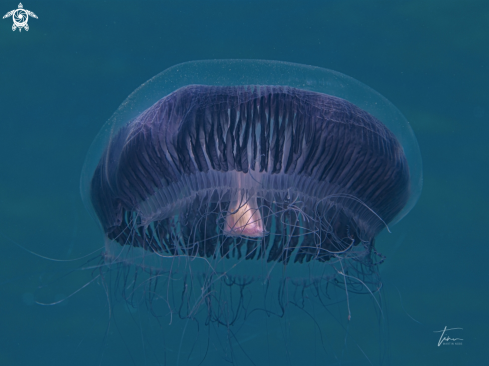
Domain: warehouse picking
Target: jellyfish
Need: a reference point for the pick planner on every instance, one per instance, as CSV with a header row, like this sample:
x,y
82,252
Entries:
x,y
231,192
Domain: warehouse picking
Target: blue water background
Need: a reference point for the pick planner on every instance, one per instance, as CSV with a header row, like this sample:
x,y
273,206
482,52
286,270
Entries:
x,y
61,80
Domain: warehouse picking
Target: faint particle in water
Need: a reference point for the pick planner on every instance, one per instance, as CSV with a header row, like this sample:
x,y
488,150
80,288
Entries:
x,y
28,298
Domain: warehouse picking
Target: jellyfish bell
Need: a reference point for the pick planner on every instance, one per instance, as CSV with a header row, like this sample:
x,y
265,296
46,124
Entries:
x,y
260,72
243,187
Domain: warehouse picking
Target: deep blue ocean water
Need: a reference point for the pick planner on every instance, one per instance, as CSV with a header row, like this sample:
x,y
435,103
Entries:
x,y
61,80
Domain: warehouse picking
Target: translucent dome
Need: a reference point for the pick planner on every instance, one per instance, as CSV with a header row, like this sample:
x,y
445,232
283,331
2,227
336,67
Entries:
x,y
260,72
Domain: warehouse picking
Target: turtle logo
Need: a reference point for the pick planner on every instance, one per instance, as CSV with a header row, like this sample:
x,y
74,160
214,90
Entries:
x,y
20,17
